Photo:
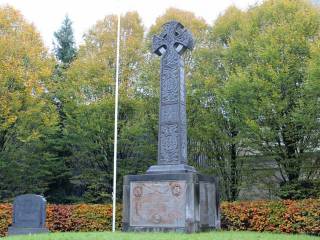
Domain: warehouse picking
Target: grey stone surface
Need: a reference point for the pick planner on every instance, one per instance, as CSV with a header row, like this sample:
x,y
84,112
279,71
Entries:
x,y
157,203
182,202
29,215
209,205
172,196
172,140
179,168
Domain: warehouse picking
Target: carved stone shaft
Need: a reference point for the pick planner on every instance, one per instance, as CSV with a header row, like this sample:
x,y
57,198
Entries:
x,y
170,45
172,147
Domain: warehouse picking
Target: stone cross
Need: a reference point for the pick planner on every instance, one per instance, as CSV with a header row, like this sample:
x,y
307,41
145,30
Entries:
x,y
172,140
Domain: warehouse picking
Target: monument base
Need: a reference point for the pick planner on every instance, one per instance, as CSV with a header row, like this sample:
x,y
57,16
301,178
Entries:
x,y
26,231
181,202
171,168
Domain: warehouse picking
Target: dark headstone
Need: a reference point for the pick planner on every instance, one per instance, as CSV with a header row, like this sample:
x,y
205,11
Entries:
x,y
29,215
172,196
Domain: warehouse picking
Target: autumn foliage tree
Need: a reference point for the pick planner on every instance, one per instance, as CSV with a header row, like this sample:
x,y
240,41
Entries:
x,y
264,54
28,121
88,94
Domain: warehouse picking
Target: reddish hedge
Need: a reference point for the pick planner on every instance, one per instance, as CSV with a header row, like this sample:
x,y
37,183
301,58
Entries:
x,y
67,218
288,216
84,217
5,218
277,216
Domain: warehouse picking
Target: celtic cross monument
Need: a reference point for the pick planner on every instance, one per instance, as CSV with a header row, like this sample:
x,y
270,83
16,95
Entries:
x,y
172,140
171,196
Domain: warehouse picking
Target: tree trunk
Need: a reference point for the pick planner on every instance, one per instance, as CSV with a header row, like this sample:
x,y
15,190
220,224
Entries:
x,y
234,175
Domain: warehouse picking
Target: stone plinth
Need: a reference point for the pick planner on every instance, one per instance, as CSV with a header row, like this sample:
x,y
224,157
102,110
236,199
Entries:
x,y
26,231
182,202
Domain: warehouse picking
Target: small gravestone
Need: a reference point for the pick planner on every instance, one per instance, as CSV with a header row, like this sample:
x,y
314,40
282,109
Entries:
x,y
171,196
29,215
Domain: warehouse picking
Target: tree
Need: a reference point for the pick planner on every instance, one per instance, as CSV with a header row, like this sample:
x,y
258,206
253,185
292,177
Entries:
x,y
28,121
264,60
64,46
214,123
88,94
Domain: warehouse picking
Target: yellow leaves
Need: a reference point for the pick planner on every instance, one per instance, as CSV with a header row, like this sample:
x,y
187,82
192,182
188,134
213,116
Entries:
x,y
227,24
93,72
25,66
10,20
10,120
35,135
210,82
196,25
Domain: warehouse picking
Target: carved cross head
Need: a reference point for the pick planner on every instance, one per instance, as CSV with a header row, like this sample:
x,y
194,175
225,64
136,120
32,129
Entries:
x,y
173,37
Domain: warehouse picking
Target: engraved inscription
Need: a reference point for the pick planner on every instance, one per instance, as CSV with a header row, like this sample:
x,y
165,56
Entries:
x,y
169,143
161,205
29,211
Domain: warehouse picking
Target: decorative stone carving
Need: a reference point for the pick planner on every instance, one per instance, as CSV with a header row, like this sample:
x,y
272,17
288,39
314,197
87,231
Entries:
x,y
162,204
169,113
156,218
170,45
169,143
170,85
176,189
137,191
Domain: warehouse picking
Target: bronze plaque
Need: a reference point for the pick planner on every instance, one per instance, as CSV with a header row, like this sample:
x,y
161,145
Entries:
x,y
158,204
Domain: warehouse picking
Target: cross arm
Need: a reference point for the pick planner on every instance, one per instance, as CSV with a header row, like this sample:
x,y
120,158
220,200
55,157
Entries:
x,y
158,45
184,40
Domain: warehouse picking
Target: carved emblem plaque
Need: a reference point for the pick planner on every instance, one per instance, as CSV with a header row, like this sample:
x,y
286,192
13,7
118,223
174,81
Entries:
x,y
158,204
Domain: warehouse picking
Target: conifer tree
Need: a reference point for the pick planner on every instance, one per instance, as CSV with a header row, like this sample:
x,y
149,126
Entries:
x,y
64,45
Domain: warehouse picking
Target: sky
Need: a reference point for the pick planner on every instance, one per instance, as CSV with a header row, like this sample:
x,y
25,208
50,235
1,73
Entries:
x,y
47,15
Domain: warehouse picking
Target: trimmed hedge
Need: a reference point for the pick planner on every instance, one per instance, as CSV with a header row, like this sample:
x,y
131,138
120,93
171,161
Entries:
x,y
82,218
276,216
300,216
5,218
70,218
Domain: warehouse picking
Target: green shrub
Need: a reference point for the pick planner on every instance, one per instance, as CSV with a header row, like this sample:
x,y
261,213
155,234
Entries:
x,y
301,189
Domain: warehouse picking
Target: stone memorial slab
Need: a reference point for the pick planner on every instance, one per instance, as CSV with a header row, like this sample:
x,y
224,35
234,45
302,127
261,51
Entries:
x,y
158,203
29,215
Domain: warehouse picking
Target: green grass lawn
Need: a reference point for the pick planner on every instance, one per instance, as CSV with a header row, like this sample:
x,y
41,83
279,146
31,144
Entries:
x,y
164,236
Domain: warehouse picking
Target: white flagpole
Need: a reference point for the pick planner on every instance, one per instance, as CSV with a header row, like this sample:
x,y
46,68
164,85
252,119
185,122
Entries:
x,y
115,132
